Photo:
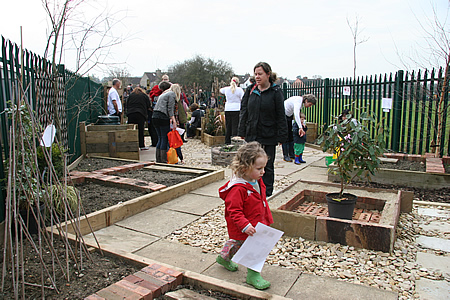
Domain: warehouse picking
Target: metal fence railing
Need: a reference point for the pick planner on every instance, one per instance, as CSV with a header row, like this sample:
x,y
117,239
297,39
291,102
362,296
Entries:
x,y
413,119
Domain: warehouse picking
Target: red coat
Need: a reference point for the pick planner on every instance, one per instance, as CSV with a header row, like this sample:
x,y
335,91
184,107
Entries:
x,y
155,92
243,205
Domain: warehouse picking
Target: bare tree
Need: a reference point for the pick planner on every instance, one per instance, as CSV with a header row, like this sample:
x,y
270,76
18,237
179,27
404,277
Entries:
x,y
120,73
434,53
437,36
70,30
357,40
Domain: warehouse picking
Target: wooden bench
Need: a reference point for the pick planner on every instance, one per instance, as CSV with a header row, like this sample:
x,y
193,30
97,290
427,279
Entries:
x,y
198,133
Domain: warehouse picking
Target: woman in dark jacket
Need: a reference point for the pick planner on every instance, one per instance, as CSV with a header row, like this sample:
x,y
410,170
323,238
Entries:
x,y
137,106
262,117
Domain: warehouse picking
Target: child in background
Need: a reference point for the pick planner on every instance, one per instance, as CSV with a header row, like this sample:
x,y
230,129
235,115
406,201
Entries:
x,y
245,206
299,139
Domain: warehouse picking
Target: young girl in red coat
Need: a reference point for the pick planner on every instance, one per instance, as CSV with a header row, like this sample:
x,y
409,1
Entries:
x,y
245,206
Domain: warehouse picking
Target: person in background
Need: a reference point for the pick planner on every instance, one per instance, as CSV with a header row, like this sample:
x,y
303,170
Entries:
x,y
114,103
262,117
299,140
163,117
180,116
195,121
137,107
233,96
292,107
154,94
212,101
245,206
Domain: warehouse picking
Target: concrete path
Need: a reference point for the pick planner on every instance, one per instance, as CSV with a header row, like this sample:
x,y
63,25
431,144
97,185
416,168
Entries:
x,y
144,235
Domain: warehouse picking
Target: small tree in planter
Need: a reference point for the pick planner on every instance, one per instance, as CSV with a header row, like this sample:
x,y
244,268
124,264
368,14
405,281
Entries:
x,y
215,123
214,130
357,154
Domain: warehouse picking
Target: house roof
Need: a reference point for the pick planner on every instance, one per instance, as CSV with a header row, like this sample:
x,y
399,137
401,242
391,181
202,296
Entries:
x,y
151,76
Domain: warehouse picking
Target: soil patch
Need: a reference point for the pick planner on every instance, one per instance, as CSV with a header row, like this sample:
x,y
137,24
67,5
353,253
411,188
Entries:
x,y
97,274
94,164
440,195
95,197
166,178
405,165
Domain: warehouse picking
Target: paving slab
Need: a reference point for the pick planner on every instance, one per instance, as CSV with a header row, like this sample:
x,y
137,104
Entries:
x,y
433,289
176,254
316,174
321,287
211,189
114,236
155,221
281,279
433,262
433,243
193,204
433,212
440,226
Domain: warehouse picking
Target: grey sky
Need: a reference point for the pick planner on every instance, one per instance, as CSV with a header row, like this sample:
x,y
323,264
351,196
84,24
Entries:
x,y
295,37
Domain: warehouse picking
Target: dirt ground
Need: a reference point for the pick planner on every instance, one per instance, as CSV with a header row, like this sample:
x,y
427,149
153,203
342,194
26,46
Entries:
x,y
97,274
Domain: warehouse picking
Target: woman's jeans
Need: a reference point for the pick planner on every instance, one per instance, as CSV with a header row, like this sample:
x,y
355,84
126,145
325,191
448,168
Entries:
x,y
162,127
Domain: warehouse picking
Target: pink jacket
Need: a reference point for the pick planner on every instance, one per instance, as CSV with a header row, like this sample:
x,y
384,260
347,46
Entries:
x,y
244,205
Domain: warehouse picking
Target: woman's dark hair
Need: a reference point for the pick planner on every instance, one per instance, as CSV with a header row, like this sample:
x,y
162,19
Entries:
x,y
164,85
193,107
268,70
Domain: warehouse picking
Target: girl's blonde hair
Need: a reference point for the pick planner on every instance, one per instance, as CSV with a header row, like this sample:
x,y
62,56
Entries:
x,y
245,157
177,90
233,84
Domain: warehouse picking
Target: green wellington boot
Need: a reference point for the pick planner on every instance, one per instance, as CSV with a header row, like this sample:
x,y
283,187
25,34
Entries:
x,y
254,278
229,265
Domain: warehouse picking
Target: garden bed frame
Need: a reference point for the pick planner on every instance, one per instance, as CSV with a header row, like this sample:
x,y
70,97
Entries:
x,y
433,178
110,215
374,236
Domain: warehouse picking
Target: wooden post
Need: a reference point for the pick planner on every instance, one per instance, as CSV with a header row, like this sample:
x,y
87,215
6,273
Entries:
x,y
83,137
112,143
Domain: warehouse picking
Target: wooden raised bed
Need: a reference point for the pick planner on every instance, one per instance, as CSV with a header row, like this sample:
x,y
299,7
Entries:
x,y
417,179
119,141
211,140
110,215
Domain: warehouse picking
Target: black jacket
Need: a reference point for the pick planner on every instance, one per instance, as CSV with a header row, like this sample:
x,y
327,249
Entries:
x,y
138,103
262,117
299,139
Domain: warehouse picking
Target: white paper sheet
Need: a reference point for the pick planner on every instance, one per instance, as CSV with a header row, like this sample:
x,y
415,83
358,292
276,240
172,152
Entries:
x,y
180,130
346,91
256,248
386,103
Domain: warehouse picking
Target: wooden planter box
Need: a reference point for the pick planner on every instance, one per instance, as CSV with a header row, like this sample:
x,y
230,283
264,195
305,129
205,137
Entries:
x,y
211,140
311,134
119,141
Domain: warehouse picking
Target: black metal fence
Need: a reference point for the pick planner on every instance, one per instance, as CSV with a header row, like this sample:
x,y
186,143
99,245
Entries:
x,y
412,120
78,99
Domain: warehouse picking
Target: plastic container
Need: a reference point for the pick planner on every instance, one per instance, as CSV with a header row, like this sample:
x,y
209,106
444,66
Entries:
x,y
108,120
329,160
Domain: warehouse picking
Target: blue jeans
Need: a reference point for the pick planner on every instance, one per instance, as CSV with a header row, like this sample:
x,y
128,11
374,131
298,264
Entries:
x,y
162,127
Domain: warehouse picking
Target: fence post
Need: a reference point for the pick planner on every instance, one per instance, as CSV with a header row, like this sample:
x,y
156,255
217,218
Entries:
x,y
397,111
326,103
285,90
